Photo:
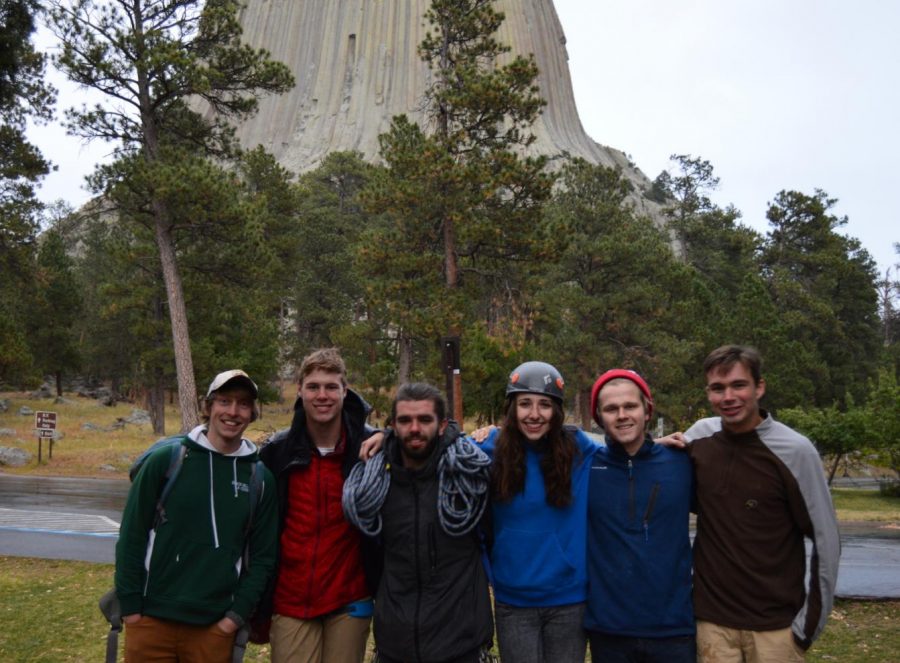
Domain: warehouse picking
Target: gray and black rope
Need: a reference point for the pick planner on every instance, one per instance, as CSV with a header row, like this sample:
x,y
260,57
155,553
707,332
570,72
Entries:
x,y
365,490
463,484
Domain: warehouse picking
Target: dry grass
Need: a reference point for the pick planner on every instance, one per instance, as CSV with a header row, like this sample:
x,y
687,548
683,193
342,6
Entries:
x,y
102,453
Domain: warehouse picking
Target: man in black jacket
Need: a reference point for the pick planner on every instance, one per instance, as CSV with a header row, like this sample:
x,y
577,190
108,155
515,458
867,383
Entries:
x,y
432,604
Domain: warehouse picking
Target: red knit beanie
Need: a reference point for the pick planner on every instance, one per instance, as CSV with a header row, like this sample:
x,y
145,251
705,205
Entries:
x,y
612,374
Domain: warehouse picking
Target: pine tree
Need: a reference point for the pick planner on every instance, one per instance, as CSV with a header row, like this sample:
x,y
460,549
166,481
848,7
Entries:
x,y
154,61
461,200
824,287
54,310
24,95
610,285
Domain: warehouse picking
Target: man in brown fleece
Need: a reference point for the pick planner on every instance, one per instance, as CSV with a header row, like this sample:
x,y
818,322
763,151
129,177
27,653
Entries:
x,y
761,492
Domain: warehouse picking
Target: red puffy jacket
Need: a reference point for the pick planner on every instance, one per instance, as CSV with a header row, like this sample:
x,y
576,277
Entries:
x,y
320,567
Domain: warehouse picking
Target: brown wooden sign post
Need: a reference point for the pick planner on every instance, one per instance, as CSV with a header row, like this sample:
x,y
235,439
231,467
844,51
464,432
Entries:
x,y
45,427
451,360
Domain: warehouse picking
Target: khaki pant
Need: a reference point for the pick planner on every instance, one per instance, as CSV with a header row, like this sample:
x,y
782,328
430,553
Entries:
x,y
162,641
337,638
720,644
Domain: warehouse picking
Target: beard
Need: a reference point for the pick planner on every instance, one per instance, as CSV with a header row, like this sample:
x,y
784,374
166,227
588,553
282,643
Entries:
x,y
412,449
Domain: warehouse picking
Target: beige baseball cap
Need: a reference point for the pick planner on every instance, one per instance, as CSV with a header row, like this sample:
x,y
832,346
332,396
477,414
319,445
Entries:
x,y
234,375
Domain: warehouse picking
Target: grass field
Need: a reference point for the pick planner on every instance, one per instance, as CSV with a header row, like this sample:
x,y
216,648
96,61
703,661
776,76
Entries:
x,y
855,504
50,612
50,615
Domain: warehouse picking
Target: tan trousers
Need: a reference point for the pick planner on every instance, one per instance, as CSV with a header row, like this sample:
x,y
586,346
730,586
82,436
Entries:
x,y
337,638
720,644
152,640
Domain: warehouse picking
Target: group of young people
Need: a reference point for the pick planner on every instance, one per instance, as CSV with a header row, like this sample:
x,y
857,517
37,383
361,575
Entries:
x,y
581,541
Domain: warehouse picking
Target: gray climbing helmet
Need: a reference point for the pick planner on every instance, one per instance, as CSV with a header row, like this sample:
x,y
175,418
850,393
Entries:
x,y
536,377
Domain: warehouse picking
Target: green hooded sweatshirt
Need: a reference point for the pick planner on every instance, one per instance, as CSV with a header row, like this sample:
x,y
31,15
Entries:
x,y
189,570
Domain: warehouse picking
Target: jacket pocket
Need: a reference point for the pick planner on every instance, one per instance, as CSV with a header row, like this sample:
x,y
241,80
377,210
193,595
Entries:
x,y
194,574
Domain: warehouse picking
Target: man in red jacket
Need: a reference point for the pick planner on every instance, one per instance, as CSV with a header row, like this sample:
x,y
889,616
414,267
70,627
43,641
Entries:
x,y
321,602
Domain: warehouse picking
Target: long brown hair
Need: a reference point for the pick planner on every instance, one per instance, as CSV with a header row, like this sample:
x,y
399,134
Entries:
x,y
508,467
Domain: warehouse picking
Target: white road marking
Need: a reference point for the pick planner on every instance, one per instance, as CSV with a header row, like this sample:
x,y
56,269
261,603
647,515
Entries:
x,y
21,520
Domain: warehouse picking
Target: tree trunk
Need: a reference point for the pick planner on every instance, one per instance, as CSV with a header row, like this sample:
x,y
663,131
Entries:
x,y
583,398
181,341
450,263
837,460
404,362
155,402
59,384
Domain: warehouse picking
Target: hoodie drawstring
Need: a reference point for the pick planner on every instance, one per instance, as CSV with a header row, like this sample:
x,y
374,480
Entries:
x,y
212,504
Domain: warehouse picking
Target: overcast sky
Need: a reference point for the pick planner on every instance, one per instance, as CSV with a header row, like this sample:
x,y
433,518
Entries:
x,y
776,94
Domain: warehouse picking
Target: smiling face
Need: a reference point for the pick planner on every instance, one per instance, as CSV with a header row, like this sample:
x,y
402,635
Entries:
x,y
623,414
534,413
323,396
230,412
418,428
734,396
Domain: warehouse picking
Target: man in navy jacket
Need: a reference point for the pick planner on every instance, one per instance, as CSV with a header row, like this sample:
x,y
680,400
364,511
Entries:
x,y
639,553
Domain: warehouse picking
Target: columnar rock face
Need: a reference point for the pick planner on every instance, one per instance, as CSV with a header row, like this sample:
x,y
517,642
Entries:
x,y
356,66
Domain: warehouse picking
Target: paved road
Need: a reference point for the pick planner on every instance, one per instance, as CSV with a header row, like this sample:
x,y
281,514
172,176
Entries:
x,y
60,517
65,518
870,565
57,535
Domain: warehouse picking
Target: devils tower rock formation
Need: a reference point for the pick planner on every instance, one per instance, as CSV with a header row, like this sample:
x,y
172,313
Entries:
x,y
356,66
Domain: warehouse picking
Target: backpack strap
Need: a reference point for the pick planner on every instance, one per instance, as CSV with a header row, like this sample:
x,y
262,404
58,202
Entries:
x,y
257,473
176,459
112,610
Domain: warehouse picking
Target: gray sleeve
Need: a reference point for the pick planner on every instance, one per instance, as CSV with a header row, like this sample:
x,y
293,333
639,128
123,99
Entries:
x,y
703,428
804,463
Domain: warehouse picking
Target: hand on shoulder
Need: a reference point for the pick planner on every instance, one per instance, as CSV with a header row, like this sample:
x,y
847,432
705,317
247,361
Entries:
x,y
480,435
675,440
371,446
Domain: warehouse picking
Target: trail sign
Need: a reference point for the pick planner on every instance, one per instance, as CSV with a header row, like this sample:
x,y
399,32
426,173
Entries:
x,y
45,420
45,426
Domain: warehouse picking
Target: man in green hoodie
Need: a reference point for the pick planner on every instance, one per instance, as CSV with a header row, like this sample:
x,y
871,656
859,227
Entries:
x,y
182,579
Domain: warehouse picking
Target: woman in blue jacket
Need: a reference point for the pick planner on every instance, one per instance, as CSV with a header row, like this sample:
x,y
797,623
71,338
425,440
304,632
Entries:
x,y
539,488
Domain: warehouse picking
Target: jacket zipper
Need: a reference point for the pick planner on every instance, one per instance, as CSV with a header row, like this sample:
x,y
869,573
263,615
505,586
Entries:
x,y
432,549
630,490
724,484
416,546
316,537
647,513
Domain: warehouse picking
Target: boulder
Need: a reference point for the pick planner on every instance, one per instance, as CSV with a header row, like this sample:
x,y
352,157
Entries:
x,y
14,457
43,392
138,417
